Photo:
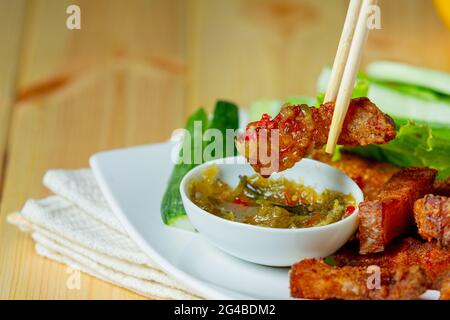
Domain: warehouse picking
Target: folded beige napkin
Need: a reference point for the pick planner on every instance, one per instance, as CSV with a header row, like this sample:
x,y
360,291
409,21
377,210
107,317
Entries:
x,y
76,227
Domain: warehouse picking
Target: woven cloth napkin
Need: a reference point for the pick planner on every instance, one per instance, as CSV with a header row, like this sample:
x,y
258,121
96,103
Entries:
x,y
76,227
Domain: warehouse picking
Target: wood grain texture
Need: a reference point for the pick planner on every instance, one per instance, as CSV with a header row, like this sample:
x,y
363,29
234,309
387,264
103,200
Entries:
x,y
252,49
106,108
11,35
80,92
248,50
148,30
134,72
411,32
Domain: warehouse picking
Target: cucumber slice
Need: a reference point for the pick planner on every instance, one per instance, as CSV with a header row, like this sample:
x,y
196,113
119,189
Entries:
x,y
225,116
172,208
432,108
399,104
407,74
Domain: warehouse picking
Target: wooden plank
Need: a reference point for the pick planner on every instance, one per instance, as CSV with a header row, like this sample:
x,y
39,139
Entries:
x,y
248,50
11,20
101,88
411,32
111,107
151,30
253,49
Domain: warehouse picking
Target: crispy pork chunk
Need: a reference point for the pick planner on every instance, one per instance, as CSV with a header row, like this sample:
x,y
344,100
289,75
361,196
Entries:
x,y
432,215
442,187
302,129
445,287
370,175
406,252
391,213
314,279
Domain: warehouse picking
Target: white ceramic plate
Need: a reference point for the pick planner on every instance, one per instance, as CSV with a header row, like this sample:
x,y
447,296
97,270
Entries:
x,y
133,181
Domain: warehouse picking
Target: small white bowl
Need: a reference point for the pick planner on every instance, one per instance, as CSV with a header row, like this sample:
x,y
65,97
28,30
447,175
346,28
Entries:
x,y
272,246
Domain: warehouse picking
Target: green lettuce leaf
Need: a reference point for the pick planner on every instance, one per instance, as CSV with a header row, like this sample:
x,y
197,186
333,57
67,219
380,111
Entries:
x,y
258,108
272,107
415,145
361,88
301,100
411,76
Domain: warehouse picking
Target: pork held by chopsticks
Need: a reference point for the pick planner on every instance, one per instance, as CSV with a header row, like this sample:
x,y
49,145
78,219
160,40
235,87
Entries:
x,y
314,279
391,213
301,129
432,215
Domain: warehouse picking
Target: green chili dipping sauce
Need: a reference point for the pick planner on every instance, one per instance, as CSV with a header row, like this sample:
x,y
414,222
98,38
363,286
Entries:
x,y
274,203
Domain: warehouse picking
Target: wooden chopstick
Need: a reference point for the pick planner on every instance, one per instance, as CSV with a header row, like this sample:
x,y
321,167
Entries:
x,y
343,49
349,76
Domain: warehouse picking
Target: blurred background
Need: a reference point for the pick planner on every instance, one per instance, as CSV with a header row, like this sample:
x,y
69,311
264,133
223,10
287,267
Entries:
x,y
137,68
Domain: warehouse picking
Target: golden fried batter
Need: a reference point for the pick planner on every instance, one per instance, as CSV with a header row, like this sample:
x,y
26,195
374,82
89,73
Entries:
x,y
445,287
314,279
391,213
407,251
432,215
370,175
442,187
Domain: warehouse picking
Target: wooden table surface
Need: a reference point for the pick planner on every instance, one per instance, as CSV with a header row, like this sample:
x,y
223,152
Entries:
x,y
134,72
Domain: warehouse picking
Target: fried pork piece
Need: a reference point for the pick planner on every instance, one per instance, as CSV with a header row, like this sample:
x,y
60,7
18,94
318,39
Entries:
x,y
442,187
302,129
370,175
391,213
445,287
432,215
406,252
314,279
